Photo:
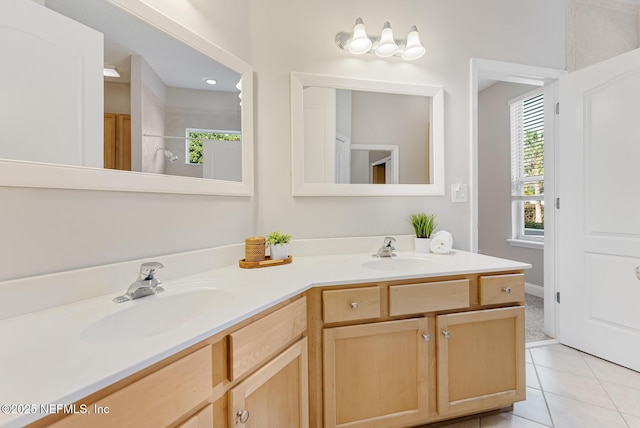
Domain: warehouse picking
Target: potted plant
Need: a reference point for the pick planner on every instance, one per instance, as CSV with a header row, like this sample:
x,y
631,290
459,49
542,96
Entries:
x,y
423,225
278,245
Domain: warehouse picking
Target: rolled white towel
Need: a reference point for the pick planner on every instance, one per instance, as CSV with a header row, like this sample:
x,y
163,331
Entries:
x,y
441,242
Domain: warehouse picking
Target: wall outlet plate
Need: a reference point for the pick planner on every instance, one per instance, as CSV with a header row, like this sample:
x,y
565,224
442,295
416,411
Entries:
x,y
459,192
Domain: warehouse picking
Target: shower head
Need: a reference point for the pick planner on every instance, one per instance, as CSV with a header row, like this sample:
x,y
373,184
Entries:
x,y
168,154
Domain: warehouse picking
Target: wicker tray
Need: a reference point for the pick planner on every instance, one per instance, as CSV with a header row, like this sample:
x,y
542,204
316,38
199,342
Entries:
x,y
267,262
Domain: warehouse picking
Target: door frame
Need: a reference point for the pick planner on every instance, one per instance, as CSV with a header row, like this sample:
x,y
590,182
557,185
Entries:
x,y
530,75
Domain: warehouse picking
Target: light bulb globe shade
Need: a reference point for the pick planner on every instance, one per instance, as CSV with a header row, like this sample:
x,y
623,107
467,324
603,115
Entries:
x,y
387,46
359,43
414,48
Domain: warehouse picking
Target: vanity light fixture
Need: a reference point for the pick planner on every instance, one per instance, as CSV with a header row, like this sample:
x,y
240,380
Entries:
x,y
359,43
387,46
210,81
110,71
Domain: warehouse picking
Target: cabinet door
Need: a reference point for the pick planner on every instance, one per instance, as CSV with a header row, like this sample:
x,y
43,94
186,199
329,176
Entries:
x,y
275,396
376,375
480,360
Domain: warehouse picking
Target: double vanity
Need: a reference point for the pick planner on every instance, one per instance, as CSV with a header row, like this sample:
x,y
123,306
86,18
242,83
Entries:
x,y
326,341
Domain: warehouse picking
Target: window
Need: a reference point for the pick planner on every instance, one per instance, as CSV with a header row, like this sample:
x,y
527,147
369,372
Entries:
x,y
527,166
197,137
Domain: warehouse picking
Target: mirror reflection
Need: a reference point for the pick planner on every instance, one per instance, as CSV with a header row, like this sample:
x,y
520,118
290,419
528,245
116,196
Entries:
x,y
160,115
349,136
365,137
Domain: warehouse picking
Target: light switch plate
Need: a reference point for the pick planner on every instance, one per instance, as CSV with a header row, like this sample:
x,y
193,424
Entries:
x,y
459,192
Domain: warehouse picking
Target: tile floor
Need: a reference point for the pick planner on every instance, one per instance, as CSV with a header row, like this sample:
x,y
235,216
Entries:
x,y
569,389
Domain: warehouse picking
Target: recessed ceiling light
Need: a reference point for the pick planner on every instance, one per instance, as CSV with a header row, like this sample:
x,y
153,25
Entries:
x,y
110,71
210,81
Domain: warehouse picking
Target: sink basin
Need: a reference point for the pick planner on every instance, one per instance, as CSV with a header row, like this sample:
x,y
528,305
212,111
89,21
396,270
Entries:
x,y
400,263
153,315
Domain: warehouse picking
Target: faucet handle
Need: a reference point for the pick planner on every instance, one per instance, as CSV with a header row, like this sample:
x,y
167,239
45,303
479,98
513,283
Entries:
x,y
388,240
148,270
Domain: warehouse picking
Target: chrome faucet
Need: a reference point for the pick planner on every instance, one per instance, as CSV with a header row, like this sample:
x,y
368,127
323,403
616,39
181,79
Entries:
x,y
387,248
145,285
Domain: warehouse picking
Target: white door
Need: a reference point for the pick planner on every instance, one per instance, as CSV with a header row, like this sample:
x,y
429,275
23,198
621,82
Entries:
x,y
52,87
222,160
319,134
598,243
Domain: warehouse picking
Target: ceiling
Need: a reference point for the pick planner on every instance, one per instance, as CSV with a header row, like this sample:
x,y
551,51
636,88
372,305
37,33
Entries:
x,y
175,63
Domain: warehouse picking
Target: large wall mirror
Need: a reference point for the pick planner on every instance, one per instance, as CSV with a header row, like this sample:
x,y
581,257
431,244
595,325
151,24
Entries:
x,y
355,137
177,119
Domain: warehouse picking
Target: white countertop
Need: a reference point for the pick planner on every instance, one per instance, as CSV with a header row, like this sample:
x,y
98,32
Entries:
x,y
48,357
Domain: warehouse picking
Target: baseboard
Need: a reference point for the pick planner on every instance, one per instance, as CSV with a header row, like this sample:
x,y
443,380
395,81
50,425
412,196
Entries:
x,y
534,290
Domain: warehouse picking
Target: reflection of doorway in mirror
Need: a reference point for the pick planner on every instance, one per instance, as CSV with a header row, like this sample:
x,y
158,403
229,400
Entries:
x,y
117,141
382,171
375,164
378,174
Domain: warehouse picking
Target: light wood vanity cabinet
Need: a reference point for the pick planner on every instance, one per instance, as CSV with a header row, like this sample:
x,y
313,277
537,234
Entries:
x,y
376,374
481,362
406,353
276,395
257,369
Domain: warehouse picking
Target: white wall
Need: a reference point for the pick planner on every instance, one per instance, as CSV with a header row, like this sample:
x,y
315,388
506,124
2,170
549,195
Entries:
x,y
54,230
395,119
290,35
494,179
47,231
117,98
600,29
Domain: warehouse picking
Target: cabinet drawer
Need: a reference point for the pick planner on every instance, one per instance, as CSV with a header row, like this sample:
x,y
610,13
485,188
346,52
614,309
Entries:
x,y
496,289
351,304
261,340
428,297
155,400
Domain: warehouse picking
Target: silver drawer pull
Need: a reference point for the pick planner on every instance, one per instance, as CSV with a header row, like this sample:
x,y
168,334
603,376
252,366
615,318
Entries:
x,y
426,337
243,416
638,272
354,306
446,333
507,290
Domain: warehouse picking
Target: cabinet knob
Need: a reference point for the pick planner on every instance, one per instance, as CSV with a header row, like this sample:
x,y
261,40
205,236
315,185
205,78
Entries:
x,y
354,306
446,333
507,290
242,416
426,337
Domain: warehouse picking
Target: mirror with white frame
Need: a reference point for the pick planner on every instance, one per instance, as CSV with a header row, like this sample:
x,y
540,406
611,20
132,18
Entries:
x,y
184,135
353,137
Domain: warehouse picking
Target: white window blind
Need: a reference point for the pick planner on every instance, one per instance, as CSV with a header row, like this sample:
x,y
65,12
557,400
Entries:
x,y
527,164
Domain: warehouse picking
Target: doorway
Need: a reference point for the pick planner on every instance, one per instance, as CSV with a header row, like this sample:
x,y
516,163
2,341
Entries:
x,y
510,81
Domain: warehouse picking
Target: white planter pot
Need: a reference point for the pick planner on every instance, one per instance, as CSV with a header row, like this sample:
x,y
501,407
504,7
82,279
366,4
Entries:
x,y
279,252
422,245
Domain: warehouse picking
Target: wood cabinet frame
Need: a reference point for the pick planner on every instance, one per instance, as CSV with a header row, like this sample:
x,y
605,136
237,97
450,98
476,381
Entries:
x,y
396,303
238,395
498,366
380,367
